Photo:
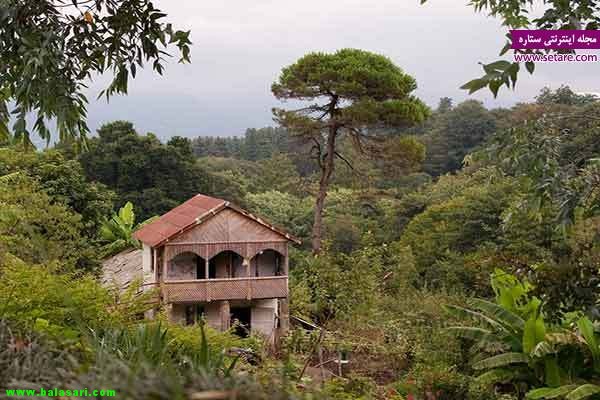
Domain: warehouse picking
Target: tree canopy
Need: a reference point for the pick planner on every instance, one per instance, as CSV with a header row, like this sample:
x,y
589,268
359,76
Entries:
x,y
51,49
353,93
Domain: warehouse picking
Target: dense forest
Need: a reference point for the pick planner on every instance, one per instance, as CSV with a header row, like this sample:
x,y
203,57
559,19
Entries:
x,y
459,259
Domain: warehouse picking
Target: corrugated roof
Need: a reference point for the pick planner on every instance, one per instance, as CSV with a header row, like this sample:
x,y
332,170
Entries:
x,y
177,219
188,214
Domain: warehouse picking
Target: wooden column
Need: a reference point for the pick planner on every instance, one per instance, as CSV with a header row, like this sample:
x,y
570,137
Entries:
x,y
155,264
165,262
225,314
246,263
206,268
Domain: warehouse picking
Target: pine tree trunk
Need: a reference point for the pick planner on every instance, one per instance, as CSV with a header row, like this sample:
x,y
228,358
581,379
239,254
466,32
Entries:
x,y
326,172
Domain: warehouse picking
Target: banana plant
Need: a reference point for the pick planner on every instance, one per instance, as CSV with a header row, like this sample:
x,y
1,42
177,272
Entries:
x,y
510,338
582,389
117,232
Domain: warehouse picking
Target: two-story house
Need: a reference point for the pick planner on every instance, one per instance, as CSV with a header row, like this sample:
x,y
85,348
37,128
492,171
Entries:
x,y
213,260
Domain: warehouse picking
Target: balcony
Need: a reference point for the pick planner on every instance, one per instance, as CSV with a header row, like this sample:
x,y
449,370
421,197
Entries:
x,y
204,290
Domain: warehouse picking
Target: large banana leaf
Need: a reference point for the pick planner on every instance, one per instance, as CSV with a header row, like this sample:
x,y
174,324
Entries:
x,y
507,318
587,331
468,313
498,375
551,371
127,215
583,392
550,393
474,333
502,360
543,349
534,332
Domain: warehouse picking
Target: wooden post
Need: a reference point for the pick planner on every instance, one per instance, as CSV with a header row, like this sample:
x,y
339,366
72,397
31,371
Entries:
x,y
165,262
206,268
284,316
246,263
225,314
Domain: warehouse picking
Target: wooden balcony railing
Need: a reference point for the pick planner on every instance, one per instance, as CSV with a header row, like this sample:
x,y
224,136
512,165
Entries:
x,y
202,290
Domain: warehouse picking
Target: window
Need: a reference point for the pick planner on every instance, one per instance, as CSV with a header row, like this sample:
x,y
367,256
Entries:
x,y
194,313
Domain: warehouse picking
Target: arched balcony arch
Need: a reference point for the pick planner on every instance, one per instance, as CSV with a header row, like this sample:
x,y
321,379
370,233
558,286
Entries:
x,y
227,264
186,265
267,262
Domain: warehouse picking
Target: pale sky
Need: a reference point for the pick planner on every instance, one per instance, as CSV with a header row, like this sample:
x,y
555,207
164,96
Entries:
x,y
240,46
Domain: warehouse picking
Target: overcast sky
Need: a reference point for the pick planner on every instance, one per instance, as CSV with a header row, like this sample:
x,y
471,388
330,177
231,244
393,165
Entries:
x,y
240,46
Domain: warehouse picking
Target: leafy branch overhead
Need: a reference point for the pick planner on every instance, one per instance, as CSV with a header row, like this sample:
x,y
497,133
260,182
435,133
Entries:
x,y
50,49
521,14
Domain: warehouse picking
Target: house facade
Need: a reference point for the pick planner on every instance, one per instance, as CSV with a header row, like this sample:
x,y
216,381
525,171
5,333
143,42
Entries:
x,y
215,261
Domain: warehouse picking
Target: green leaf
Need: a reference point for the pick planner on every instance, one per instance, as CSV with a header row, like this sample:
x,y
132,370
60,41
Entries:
x,y
583,392
126,214
549,393
552,371
530,66
499,375
502,360
500,65
474,85
499,313
587,331
473,333
533,333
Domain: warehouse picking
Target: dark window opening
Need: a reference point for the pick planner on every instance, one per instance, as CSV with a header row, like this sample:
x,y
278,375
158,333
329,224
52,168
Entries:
x,y
200,270
240,319
194,313
212,269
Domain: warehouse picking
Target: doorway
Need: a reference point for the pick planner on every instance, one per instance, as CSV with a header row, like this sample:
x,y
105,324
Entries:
x,y
240,318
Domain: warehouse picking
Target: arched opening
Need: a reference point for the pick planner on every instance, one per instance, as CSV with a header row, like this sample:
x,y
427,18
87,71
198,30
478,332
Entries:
x,y
226,264
186,265
267,263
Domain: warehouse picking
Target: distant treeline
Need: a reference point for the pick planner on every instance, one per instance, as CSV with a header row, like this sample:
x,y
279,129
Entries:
x,y
257,144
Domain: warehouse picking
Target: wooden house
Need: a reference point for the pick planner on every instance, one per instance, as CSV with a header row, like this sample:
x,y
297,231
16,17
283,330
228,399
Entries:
x,y
215,261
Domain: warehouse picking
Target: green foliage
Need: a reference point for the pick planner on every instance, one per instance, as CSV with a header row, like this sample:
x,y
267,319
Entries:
x,y
517,345
64,181
454,133
25,359
444,233
50,49
563,95
38,230
118,231
283,209
153,176
60,305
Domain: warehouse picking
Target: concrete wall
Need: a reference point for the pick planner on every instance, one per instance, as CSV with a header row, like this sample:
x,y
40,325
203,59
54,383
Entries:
x,y
147,270
212,313
263,317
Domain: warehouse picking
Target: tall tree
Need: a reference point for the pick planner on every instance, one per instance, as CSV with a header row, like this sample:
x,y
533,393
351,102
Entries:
x,y
51,48
352,93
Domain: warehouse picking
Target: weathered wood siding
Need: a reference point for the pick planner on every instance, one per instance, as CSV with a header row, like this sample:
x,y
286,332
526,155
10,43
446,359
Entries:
x,y
228,226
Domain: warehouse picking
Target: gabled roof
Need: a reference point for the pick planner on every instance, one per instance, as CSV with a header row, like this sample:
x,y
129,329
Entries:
x,y
194,211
